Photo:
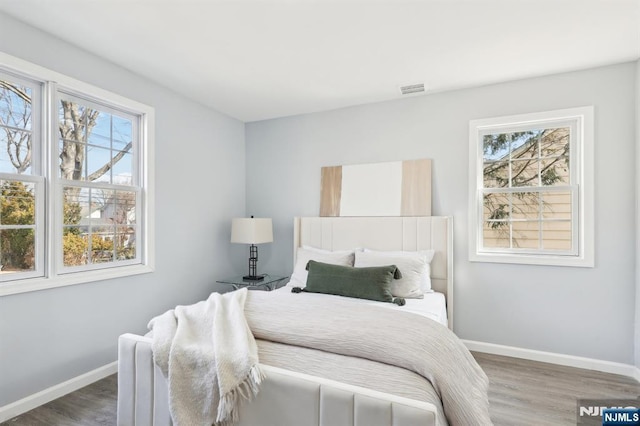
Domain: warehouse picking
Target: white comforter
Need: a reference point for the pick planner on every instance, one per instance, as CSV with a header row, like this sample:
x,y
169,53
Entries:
x,y
345,327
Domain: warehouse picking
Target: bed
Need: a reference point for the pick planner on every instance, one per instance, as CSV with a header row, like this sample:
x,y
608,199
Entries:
x,y
311,383
391,234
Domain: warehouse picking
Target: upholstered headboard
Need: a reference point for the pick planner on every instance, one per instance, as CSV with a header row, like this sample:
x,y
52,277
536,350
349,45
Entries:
x,y
386,233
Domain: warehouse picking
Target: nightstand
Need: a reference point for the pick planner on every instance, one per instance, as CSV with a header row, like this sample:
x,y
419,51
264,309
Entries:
x,y
270,282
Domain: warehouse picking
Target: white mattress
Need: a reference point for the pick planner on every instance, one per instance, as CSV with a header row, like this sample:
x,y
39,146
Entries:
x,y
433,306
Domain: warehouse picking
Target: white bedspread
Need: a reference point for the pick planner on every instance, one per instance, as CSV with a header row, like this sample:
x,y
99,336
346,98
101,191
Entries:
x,y
209,357
433,305
343,326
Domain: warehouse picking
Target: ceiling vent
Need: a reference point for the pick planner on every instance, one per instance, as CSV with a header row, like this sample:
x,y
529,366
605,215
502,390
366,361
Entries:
x,y
412,88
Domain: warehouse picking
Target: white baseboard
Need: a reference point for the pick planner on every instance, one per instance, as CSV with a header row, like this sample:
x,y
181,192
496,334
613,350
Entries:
x,y
23,405
554,358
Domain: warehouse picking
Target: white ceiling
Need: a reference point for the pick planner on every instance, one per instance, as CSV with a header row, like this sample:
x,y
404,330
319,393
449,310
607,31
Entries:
x,y
261,59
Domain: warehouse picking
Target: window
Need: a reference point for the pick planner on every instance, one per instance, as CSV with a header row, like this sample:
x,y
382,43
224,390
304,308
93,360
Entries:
x,y
21,181
75,167
99,184
531,188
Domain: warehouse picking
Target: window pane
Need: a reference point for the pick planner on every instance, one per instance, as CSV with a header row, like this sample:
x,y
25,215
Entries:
x,y
496,214
102,244
17,250
496,206
496,147
516,155
72,211
98,164
73,119
17,203
15,127
125,242
15,150
100,133
124,211
71,154
102,201
525,206
496,234
512,220
526,235
496,175
105,140
556,205
76,124
123,169
75,245
555,142
15,105
106,231
122,132
77,205
557,235
555,171
524,144
524,173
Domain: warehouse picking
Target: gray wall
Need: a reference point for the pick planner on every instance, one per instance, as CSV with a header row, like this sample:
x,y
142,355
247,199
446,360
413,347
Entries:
x,y
50,336
577,311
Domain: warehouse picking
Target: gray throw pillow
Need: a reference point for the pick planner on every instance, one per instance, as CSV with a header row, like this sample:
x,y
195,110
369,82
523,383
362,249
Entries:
x,y
373,283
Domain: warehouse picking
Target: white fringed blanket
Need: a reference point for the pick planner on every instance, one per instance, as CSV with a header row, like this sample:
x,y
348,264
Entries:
x,y
209,357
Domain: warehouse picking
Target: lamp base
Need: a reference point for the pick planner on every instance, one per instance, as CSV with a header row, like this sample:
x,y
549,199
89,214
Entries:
x,y
253,278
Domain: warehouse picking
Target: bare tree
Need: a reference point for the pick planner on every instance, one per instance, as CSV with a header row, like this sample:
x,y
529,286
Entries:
x,y
75,127
16,119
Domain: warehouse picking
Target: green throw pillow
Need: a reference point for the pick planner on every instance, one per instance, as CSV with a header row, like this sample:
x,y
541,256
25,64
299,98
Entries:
x,y
373,283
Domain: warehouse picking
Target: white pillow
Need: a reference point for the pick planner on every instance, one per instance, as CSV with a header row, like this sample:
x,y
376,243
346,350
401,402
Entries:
x,y
305,254
415,267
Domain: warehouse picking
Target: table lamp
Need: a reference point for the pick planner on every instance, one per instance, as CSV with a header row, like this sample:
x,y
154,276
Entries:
x,y
252,231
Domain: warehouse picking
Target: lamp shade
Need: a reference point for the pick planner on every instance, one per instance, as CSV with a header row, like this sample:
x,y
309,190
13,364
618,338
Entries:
x,y
251,230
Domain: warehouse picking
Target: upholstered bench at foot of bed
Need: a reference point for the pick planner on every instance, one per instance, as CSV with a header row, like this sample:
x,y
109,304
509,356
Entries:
x,y
285,398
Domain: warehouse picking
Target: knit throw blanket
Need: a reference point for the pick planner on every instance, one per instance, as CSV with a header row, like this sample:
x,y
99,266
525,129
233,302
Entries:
x,y
346,326
209,357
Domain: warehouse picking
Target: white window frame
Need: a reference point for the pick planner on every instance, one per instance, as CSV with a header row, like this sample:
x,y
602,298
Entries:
x,y
40,237
53,274
36,175
59,183
582,185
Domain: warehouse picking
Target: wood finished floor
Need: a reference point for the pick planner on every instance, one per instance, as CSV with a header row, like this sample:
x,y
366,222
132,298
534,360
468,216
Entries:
x,y
522,392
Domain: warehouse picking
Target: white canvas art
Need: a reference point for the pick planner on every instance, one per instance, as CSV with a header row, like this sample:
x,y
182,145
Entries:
x,y
371,189
396,188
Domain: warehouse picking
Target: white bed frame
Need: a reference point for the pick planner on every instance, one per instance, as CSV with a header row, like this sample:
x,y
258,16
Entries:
x,y
289,398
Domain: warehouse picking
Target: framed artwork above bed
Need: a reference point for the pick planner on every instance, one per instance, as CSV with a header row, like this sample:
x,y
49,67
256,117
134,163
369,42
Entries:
x,y
397,188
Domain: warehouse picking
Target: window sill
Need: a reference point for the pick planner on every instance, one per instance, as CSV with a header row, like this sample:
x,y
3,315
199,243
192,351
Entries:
x,y
531,259
40,283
